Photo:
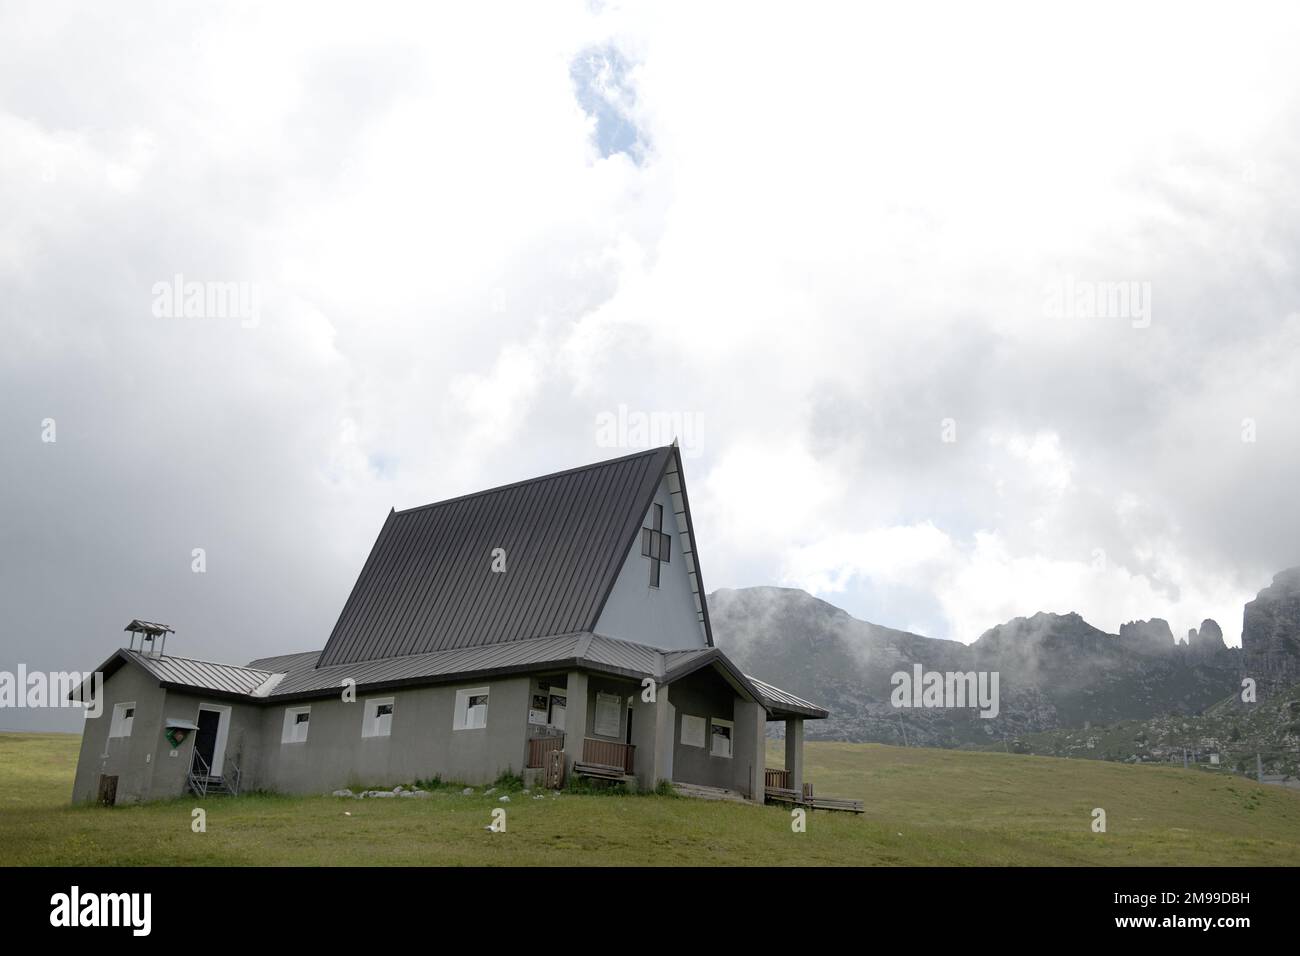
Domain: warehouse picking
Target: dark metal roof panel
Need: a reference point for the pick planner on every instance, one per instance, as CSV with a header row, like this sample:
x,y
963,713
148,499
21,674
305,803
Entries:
x,y
433,665
428,585
201,675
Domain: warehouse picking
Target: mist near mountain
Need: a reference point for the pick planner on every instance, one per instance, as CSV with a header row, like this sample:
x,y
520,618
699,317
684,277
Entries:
x,y
1055,670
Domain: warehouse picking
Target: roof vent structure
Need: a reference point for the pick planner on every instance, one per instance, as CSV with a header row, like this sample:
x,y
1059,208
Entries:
x,y
150,635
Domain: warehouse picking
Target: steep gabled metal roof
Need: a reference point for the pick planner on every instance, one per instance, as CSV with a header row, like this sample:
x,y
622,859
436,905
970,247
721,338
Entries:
x,y
428,584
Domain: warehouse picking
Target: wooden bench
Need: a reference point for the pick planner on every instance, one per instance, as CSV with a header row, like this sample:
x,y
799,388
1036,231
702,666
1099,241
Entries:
x,y
599,771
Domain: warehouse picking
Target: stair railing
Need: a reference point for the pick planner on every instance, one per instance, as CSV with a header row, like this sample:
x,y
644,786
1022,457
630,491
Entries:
x,y
199,781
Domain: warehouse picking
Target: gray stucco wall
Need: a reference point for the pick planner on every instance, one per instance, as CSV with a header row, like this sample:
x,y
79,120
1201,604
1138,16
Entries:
x,y
703,694
131,758
146,765
243,739
661,617
422,743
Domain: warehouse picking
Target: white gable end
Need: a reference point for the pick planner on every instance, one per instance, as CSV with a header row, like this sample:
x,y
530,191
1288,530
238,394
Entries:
x,y
665,616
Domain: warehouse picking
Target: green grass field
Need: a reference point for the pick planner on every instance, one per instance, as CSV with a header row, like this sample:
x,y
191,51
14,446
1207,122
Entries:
x,y
923,807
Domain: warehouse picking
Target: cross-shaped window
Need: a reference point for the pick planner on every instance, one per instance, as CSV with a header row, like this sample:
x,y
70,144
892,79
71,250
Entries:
x,y
655,545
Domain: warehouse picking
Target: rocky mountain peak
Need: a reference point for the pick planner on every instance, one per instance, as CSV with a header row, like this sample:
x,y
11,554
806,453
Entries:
x,y
1270,631
1207,640
1148,637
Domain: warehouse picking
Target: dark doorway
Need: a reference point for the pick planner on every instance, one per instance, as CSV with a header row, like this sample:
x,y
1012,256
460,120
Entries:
x,y
205,741
107,790
629,726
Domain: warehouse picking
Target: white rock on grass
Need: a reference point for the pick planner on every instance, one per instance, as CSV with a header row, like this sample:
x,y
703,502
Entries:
x,y
504,799
344,793
468,791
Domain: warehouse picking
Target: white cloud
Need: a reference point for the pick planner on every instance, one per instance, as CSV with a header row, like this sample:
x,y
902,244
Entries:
x,y
839,235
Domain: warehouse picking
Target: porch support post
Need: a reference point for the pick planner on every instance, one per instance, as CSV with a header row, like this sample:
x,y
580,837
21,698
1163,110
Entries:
x,y
794,752
750,751
665,735
652,735
575,719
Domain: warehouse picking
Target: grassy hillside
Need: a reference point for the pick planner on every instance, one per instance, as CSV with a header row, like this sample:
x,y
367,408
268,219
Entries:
x,y
923,807
1234,730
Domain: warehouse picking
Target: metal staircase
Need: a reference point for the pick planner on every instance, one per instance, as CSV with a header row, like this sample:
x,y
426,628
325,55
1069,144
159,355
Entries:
x,y
202,783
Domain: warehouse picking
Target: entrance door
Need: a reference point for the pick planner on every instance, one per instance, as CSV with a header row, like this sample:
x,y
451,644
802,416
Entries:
x,y
108,789
205,741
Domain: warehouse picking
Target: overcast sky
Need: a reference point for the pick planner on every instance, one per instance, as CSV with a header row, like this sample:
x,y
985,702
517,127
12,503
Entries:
x,y
849,254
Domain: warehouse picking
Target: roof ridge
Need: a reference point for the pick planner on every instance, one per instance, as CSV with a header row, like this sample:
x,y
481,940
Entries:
x,y
528,481
272,657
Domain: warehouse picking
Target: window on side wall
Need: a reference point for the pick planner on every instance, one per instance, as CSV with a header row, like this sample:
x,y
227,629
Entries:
x,y
296,720
123,718
379,717
722,732
471,709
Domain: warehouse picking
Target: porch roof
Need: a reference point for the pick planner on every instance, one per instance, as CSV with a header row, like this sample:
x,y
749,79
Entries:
x,y
782,703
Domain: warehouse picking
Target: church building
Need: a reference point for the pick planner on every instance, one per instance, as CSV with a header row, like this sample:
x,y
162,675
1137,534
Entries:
x,y
551,627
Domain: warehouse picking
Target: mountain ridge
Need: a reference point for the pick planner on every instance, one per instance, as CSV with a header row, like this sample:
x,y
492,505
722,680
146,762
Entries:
x,y
1055,670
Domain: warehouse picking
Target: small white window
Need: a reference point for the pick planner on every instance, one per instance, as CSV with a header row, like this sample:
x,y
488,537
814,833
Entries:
x,y
722,731
608,708
296,720
379,717
693,729
123,718
471,709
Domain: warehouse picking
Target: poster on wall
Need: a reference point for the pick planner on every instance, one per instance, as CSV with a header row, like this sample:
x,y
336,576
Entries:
x,y
606,723
692,731
537,712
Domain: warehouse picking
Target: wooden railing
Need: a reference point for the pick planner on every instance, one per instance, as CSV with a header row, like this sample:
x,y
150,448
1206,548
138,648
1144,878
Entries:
x,y
539,747
776,778
608,753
